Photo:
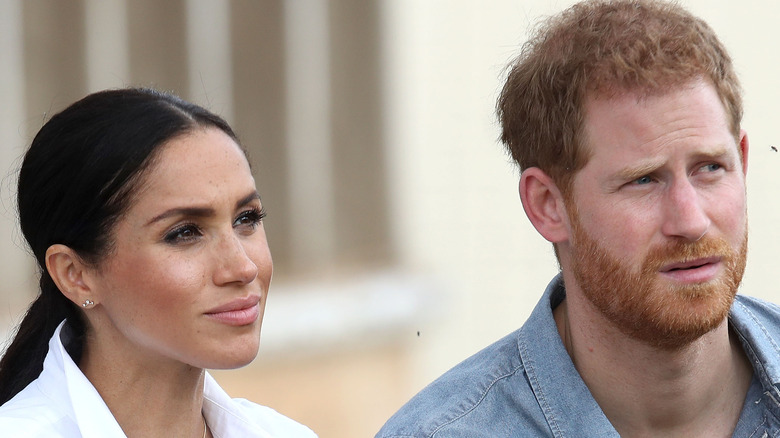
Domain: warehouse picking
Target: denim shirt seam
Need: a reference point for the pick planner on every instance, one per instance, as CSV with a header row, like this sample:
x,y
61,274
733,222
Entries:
x,y
543,403
478,402
758,427
773,409
760,325
754,358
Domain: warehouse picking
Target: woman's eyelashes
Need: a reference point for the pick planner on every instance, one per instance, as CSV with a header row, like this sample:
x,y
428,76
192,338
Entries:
x,y
247,222
182,234
250,218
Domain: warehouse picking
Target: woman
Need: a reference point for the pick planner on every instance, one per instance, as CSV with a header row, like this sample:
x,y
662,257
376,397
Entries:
x,y
144,218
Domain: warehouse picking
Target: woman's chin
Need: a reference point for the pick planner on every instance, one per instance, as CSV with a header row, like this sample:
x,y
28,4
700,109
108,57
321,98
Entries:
x,y
237,356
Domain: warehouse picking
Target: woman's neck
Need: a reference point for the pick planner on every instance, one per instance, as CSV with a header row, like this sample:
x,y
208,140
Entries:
x,y
147,396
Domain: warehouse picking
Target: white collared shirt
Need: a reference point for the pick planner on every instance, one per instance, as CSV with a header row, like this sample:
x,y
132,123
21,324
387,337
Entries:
x,y
61,402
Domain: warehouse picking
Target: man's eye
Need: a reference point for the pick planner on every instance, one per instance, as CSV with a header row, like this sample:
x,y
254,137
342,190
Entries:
x,y
643,180
712,167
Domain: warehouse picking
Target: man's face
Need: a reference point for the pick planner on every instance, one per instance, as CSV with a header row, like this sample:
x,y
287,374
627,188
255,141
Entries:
x,y
658,215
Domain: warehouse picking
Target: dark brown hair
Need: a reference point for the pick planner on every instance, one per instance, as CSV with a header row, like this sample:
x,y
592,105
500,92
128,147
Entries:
x,y
77,179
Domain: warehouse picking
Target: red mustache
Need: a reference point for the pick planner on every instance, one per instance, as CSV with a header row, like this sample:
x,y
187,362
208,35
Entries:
x,y
687,254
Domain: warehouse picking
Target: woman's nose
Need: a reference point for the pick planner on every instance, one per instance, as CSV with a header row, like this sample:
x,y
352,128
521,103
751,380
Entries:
x,y
234,263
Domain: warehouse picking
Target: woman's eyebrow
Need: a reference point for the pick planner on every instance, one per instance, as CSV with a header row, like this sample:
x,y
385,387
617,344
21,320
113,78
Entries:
x,y
247,199
196,211
183,211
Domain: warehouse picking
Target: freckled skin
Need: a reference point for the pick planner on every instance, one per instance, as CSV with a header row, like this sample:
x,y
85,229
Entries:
x,y
667,133
162,277
665,174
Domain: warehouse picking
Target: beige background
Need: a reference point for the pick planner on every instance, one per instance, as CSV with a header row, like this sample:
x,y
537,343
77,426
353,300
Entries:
x,y
400,244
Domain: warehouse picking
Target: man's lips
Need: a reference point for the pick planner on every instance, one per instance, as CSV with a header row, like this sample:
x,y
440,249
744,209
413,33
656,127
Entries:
x,y
692,264
701,270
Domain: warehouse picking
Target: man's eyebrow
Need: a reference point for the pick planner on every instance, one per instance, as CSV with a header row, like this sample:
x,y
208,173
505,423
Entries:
x,y
718,154
633,172
200,211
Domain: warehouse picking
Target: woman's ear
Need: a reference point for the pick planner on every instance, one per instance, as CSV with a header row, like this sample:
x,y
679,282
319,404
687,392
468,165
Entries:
x,y
69,274
543,204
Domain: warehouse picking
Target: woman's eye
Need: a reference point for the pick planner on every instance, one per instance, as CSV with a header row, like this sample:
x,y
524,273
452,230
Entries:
x,y
182,234
250,218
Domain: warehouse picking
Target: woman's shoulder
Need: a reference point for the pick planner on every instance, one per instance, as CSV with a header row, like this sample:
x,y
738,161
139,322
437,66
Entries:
x,y
32,414
241,417
30,403
273,420
30,427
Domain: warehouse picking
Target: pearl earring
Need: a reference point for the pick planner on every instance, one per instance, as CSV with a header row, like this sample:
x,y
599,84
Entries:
x,y
88,303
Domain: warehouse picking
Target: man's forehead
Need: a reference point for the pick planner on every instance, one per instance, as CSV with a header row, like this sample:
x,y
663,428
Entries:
x,y
694,111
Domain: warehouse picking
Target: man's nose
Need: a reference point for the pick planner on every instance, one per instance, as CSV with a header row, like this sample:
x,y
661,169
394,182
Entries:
x,y
685,215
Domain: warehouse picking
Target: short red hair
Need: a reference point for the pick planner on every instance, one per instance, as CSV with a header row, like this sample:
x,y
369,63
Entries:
x,y
603,48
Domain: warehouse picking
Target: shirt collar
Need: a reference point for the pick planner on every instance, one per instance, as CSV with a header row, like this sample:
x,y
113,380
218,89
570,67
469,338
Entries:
x,y
65,384
568,405
224,416
747,318
78,396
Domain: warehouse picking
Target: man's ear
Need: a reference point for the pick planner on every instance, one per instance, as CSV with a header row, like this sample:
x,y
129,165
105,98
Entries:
x,y
69,273
543,204
743,149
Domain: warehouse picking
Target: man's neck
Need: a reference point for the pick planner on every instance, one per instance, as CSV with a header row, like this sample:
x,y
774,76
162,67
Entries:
x,y
697,390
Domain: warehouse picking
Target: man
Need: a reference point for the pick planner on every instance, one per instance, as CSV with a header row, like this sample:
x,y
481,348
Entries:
x,y
625,119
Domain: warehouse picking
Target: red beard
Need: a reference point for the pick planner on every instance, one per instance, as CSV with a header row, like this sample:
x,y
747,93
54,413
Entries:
x,y
665,316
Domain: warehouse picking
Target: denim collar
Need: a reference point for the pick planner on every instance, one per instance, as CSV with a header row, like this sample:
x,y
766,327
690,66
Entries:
x,y
571,410
569,407
748,317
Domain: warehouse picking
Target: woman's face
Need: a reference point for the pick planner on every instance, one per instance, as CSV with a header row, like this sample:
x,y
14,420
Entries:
x,y
188,274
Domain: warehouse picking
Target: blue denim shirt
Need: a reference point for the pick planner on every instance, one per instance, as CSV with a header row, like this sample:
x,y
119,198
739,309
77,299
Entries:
x,y
525,385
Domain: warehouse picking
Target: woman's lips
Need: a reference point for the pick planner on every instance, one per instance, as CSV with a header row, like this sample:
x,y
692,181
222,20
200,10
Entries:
x,y
238,312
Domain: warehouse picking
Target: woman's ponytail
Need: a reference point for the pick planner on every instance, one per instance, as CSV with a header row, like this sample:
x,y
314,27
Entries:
x,y
76,181
23,360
